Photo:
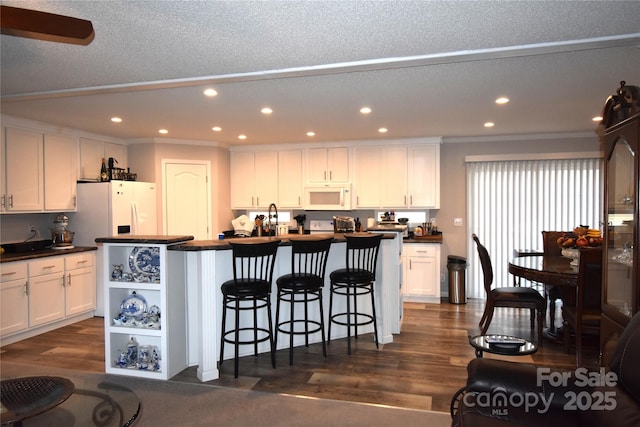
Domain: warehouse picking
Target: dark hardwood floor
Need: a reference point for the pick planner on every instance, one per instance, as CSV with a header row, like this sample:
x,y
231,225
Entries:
x,y
422,368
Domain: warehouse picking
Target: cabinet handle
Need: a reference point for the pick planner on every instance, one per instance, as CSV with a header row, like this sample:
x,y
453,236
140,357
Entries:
x,y
410,264
257,201
299,203
8,273
26,287
11,201
3,200
75,201
252,201
81,262
325,175
48,266
405,199
62,281
69,282
330,175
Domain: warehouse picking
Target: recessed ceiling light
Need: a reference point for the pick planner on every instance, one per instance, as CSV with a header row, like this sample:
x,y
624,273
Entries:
x,y
163,131
210,92
266,110
383,130
216,128
311,133
489,124
365,110
597,119
502,100
116,119
242,136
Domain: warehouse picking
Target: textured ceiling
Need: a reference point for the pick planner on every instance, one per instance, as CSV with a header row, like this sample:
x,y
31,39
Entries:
x,y
426,68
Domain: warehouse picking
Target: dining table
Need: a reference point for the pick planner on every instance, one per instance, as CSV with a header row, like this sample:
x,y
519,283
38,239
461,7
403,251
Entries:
x,y
551,271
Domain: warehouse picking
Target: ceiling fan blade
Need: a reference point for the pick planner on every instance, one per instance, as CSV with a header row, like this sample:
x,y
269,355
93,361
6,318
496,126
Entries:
x,y
34,24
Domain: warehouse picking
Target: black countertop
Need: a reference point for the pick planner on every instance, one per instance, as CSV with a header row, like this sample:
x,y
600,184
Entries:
x,y
139,238
41,253
218,245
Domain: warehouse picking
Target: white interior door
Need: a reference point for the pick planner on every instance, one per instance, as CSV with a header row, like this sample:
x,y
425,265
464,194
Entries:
x,y
187,200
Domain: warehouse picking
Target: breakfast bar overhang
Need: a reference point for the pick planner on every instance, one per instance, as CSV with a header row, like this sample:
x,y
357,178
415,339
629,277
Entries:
x,y
207,264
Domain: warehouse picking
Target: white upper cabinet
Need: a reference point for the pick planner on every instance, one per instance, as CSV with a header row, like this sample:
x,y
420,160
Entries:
x,y
254,179
424,176
60,173
326,165
290,179
397,176
367,177
393,170
22,171
91,154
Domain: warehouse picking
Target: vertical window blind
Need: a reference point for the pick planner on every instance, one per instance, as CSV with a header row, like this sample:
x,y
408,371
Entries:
x,y
511,202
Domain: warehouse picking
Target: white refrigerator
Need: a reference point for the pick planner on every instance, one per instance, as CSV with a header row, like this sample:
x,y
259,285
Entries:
x,y
109,209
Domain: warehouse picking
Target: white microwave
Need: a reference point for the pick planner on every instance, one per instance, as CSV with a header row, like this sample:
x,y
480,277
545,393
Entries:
x,y
327,197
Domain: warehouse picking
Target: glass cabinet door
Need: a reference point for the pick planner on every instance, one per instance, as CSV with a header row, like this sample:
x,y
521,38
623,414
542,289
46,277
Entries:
x,y
621,193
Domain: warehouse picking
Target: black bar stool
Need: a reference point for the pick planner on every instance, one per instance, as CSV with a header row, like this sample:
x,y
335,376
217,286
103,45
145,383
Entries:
x,y
356,280
303,285
250,289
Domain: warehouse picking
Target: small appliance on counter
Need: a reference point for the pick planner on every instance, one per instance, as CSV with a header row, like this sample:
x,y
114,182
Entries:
x,y
61,237
243,226
344,224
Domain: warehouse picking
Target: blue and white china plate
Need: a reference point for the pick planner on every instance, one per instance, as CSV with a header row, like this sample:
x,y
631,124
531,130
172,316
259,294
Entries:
x,y
133,305
145,260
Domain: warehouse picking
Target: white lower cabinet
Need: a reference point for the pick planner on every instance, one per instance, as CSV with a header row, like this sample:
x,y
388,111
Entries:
x,y
421,263
153,321
46,290
14,298
44,294
80,281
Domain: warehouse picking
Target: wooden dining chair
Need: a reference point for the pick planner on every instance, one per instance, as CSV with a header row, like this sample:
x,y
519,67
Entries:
x,y
585,315
511,296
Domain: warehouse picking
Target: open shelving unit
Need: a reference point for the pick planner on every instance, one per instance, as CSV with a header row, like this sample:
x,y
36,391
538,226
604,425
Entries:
x,y
159,289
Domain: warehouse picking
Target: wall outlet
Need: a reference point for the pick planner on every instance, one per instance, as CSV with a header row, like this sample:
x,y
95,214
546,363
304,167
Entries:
x,y
457,222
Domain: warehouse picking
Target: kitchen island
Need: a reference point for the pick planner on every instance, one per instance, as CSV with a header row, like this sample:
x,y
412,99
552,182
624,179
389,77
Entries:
x,y
207,264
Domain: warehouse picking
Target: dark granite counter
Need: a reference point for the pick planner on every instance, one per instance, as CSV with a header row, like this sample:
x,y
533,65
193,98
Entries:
x,y
218,245
434,238
141,239
22,256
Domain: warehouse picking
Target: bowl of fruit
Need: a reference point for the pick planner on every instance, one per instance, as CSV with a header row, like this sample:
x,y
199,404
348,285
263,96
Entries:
x,y
580,237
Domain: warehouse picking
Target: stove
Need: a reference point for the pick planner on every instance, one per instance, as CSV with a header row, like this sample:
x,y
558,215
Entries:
x,y
320,226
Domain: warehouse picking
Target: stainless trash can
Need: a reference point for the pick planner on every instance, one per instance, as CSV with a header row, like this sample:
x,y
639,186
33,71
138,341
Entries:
x,y
457,267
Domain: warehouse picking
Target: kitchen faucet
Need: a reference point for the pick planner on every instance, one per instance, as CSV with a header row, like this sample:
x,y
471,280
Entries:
x,y
272,205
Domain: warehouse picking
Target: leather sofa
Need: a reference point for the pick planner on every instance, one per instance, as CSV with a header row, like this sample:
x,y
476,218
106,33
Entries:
x,y
502,393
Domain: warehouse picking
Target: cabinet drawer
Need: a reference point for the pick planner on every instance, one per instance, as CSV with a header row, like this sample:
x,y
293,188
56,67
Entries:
x,y
13,271
79,261
54,264
418,250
